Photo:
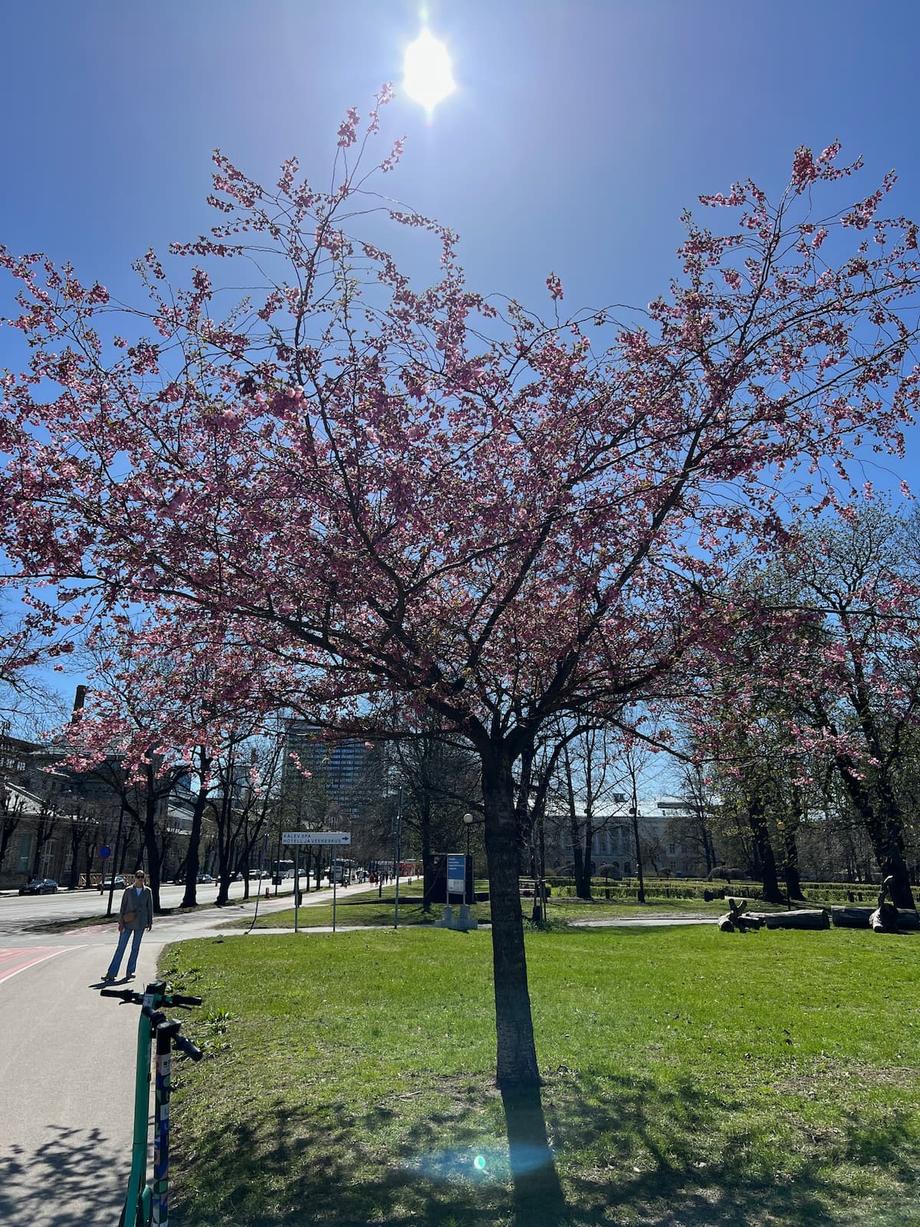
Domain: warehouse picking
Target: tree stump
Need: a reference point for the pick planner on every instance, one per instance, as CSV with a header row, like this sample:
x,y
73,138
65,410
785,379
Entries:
x,y
735,920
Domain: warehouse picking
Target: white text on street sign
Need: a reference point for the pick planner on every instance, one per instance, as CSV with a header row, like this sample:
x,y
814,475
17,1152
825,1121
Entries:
x,y
316,838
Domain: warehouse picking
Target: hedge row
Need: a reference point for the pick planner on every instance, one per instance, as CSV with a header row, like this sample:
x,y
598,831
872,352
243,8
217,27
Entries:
x,y
626,889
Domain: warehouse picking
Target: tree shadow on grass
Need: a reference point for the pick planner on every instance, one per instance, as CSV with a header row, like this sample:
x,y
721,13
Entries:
x,y
681,1157
335,1163
629,1152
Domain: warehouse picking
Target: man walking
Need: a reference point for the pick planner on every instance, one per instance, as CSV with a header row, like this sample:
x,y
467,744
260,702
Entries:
x,y
134,916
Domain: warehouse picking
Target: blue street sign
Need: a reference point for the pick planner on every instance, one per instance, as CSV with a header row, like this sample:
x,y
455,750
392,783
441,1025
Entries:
x,y
456,874
104,852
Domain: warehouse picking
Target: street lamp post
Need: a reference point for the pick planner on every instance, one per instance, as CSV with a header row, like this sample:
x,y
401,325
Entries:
x,y
634,815
468,821
398,850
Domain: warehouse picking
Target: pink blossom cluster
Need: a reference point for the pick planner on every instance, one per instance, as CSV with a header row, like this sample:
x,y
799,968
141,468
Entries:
x,y
351,485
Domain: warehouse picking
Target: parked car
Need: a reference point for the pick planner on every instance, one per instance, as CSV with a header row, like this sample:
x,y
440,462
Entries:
x,y
39,886
119,883
204,879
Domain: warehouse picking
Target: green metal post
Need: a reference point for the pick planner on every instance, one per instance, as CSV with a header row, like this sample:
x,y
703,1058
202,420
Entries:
x,y
138,1178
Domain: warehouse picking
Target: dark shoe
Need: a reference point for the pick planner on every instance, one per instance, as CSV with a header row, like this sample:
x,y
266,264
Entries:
x,y
131,975
107,978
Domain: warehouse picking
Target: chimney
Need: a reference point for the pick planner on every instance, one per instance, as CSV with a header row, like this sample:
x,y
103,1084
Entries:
x,y
78,700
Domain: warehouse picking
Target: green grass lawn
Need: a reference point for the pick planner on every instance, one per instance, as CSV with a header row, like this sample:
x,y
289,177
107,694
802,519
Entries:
x,y
692,1078
364,908
367,909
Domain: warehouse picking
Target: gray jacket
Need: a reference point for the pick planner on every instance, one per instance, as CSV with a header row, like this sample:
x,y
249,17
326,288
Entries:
x,y
140,904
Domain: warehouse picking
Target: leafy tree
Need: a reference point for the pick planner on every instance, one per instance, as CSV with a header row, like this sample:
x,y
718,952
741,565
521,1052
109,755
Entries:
x,y
590,778
832,663
11,814
501,518
699,806
863,700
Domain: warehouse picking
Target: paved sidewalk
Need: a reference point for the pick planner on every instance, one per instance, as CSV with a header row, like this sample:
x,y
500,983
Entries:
x,y
67,1066
663,920
67,1072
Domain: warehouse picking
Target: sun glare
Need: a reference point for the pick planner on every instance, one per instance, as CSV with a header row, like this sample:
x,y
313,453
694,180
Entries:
x,y
428,75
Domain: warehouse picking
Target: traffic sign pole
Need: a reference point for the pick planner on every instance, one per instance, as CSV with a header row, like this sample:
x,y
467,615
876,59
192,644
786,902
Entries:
x,y
314,839
398,855
296,885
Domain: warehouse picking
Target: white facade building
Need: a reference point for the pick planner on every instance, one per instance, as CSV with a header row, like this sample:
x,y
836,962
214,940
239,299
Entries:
x,y
666,835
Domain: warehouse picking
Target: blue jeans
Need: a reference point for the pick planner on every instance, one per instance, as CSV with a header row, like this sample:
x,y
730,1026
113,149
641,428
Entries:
x,y
123,938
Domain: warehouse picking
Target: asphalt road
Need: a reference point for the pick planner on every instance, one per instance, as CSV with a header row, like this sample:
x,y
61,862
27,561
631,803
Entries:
x,y
20,910
67,1057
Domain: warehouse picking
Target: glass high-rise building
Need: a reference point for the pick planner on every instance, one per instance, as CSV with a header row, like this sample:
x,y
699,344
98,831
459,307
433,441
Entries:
x,y
340,784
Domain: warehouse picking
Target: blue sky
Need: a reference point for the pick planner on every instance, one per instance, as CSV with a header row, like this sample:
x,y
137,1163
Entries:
x,y
579,131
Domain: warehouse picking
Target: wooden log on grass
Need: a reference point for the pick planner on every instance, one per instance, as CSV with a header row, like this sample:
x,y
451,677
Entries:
x,y
799,918
859,918
851,917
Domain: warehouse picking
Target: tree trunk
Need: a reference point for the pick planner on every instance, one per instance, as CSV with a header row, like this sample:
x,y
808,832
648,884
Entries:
x,y
43,835
587,867
192,865
639,873
152,843
578,862
7,831
858,918
516,1057
425,837
791,862
885,831
708,849
225,849
537,1192
588,832
74,875
580,873
763,851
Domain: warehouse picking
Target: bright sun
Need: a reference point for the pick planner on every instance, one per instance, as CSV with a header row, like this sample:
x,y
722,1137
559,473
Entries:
x,y
428,75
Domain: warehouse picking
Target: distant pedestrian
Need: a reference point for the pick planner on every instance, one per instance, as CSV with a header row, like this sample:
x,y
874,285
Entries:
x,y
134,917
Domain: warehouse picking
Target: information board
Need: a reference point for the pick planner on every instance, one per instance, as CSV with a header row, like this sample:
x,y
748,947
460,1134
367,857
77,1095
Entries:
x,y
456,874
